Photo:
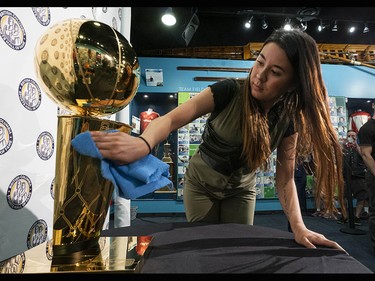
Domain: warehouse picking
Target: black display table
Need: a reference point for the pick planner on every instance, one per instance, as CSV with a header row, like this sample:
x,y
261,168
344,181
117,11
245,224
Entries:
x,y
193,248
233,248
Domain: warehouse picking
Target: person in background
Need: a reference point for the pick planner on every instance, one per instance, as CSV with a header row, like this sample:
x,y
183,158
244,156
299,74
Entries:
x,y
283,105
366,140
358,187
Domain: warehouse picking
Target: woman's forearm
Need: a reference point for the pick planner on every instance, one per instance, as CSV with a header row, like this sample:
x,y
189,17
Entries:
x,y
157,131
288,198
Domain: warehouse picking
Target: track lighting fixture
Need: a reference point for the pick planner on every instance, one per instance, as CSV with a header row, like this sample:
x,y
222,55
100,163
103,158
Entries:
x,y
334,27
303,25
320,27
366,29
248,23
290,21
287,25
264,23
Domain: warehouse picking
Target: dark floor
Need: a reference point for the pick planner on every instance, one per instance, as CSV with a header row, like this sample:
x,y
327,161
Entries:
x,y
354,239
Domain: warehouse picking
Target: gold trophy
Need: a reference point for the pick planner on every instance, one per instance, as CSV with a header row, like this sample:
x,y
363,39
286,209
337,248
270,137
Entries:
x,y
90,70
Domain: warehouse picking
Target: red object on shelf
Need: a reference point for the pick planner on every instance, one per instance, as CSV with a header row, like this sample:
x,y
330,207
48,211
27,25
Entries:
x,y
357,119
146,117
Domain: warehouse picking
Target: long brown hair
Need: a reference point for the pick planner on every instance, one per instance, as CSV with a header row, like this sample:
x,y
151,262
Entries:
x,y
308,108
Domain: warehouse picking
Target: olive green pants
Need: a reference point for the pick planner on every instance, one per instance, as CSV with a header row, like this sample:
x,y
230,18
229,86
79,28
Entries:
x,y
225,206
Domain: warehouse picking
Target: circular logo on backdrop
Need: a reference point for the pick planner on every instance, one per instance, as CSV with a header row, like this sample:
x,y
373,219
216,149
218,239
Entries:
x,y
6,136
29,94
45,145
114,23
37,234
94,11
15,264
49,250
12,30
120,13
52,189
19,192
43,15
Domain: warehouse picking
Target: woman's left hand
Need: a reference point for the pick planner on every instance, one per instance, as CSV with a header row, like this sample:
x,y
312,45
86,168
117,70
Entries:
x,y
310,239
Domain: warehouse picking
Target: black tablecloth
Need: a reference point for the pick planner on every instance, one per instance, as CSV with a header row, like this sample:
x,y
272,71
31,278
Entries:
x,y
233,248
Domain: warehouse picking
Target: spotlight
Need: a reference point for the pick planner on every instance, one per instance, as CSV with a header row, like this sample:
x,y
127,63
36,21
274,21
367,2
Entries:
x,y
287,25
334,27
366,29
264,23
303,25
169,18
321,26
248,23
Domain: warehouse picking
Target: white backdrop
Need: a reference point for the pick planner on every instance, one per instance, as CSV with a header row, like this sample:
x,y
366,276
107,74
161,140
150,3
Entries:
x,y
28,123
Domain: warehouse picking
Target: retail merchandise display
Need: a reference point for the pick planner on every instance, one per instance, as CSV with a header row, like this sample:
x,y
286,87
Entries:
x,y
189,138
339,116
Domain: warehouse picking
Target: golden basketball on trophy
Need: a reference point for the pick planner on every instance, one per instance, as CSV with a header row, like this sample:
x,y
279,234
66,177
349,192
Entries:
x,y
87,67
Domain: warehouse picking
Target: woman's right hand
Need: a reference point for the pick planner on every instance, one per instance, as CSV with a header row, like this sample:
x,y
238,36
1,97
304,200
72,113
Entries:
x,y
119,147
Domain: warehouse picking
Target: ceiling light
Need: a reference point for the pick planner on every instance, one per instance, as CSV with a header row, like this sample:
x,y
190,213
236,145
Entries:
x,y
248,23
334,27
264,23
351,29
287,25
303,25
320,27
366,29
169,18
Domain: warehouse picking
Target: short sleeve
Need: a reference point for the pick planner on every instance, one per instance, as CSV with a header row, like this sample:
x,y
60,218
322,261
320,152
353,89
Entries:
x,y
290,131
364,136
223,91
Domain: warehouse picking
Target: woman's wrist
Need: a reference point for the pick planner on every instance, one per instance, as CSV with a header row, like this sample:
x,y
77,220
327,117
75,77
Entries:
x,y
146,142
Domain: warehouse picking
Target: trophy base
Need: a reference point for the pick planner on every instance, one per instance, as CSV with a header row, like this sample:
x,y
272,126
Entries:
x,y
75,253
76,256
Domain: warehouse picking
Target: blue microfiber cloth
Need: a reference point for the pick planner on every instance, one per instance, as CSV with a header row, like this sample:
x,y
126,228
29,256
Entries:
x,y
135,179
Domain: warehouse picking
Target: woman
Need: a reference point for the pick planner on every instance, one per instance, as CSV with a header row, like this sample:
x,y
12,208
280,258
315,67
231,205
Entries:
x,y
358,189
282,104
